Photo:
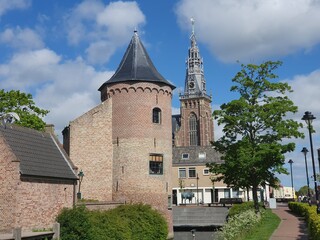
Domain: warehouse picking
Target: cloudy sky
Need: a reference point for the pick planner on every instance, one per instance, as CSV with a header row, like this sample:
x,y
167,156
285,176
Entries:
x,y
62,51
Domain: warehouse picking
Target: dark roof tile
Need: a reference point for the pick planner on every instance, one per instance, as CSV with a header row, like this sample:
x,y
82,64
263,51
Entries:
x,y
136,65
38,152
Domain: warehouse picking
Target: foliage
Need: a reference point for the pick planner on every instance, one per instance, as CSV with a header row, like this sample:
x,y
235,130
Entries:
x,y
75,224
264,229
23,104
310,215
258,229
145,223
239,208
126,222
254,126
239,224
303,191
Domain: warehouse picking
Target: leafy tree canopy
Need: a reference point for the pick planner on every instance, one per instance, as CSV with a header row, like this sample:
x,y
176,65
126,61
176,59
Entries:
x,y
303,191
22,104
254,128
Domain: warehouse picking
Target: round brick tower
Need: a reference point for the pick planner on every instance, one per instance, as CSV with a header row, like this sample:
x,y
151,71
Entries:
x,y
141,131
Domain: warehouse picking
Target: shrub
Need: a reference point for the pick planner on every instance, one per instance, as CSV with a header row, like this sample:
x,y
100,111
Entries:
x,y
239,208
311,217
75,224
239,224
126,222
144,222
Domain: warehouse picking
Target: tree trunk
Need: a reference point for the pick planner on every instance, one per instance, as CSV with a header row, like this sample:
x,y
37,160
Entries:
x,y
255,197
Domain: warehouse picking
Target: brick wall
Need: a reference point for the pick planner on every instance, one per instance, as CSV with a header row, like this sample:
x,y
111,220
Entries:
x,y
91,151
9,178
135,136
202,109
28,204
40,201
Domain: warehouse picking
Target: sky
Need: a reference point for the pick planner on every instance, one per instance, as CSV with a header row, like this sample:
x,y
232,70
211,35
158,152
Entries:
x,y
62,51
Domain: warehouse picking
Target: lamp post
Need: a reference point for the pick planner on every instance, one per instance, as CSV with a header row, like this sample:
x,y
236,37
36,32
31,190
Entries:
x,y
305,151
290,162
308,117
80,175
197,189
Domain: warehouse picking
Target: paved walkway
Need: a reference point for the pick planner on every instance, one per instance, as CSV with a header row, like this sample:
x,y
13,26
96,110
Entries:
x,y
291,227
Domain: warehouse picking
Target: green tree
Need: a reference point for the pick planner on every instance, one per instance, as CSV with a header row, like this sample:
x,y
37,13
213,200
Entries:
x,y
303,191
22,104
254,126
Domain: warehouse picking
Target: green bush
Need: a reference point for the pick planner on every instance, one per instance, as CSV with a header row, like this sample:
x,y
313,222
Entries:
x,y
311,217
239,224
126,222
242,207
75,224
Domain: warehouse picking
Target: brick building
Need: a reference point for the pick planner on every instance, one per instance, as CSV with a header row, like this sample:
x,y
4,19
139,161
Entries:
x,y
36,179
124,145
193,132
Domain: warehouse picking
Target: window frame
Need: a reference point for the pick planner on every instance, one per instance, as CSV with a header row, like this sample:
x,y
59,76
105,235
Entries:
x,y
194,170
185,158
206,169
156,115
179,172
193,130
155,164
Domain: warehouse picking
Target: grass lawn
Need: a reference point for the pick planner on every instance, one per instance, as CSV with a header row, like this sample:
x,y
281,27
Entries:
x,y
264,230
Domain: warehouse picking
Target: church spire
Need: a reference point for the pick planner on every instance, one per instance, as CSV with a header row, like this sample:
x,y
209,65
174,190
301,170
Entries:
x,y
195,84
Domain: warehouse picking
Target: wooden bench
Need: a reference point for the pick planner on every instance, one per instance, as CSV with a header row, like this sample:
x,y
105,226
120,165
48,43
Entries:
x,y
230,201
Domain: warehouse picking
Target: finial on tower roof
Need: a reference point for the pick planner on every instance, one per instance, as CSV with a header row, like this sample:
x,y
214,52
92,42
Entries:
x,y
192,22
135,31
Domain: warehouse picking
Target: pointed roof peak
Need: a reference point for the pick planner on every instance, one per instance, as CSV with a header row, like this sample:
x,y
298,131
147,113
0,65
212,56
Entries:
x,y
136,65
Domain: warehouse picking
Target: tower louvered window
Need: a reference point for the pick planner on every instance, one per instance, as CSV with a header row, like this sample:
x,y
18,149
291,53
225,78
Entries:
x,y
193,130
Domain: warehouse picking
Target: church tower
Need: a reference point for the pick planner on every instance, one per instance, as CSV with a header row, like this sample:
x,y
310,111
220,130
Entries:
x,y
194,125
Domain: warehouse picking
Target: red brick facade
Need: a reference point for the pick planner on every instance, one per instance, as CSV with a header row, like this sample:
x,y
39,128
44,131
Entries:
x,y
28,203
201,108
112,143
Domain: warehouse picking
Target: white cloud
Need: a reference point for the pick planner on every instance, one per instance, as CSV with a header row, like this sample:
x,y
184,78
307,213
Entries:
x,y
26,70
121,18
249,30
100,51
6,5
23,39
103,28
66,88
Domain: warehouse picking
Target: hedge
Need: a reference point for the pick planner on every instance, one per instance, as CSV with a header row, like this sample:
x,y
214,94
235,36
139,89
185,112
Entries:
x,y
132,221
310,215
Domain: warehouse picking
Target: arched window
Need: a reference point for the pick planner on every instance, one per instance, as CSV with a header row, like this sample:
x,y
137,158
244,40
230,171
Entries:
x,y
193,130
156,115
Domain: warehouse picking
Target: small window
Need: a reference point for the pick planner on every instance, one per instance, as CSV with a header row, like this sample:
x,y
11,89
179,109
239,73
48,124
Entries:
x,y
206,171
156,164
202,155
182,173
169,202
156,115
192,172
185,156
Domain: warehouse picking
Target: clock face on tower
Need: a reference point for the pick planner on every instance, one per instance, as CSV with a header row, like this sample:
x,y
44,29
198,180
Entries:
x,y
191,85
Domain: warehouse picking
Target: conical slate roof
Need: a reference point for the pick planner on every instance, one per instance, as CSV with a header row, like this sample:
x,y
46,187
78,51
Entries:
x,y
136,65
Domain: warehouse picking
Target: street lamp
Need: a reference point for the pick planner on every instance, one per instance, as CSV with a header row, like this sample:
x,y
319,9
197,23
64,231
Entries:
x,y
308,117
290,162
80,175
305,151
197,189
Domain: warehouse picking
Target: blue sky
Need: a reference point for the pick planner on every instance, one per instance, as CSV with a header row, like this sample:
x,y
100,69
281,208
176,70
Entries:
x,y
62,51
